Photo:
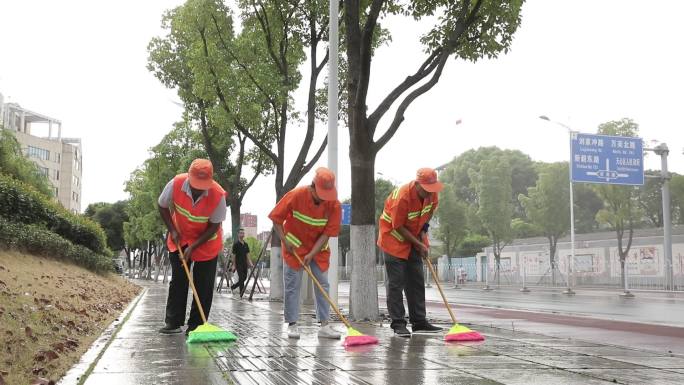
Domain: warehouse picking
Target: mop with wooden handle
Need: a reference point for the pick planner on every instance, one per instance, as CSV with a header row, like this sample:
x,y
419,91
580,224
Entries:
x,y
354,337
457,332
205,332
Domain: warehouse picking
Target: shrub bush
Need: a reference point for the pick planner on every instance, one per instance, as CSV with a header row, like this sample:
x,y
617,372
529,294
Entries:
x,y
36,240
21,203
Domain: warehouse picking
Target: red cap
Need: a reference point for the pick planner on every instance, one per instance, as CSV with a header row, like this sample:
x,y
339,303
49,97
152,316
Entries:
x,y
324,181
427,178
201,174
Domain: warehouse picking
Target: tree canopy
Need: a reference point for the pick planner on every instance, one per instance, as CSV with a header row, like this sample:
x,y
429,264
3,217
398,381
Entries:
x,y
15,164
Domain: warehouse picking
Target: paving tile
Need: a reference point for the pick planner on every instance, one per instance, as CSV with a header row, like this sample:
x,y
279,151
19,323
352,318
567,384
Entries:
x,y
578,362
536,376
486,362
153,377
389,363
423,377
636,376
653,362
605,351
527,351
296,378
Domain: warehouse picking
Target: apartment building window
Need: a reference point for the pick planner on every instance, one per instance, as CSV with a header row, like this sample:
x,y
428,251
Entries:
x,y
76,181
56,191
44,170
58,157
74,195
37,152
55,174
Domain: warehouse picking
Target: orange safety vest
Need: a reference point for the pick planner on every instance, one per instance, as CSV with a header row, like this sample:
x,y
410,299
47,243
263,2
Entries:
x,y
304,222
403,207
191,221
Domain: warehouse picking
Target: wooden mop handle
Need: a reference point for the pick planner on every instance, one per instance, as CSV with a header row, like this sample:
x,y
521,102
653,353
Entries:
x,y
192,284
318,284
434,276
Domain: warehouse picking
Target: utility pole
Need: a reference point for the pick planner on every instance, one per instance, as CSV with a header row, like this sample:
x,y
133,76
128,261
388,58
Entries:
x,y
332,131
664,151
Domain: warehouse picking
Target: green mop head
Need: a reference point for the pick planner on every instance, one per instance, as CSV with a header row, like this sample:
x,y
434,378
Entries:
x,y
210,333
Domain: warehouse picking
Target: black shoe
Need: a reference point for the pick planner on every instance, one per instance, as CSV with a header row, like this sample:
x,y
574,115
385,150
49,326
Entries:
x,y
425,327
189,329
401,331
170,329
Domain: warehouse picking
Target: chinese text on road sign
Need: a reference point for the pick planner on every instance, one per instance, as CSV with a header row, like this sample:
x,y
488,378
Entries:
x,y
607,159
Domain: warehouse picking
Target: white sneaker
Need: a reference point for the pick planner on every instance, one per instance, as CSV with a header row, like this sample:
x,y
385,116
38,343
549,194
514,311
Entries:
x,y
327,331
293,331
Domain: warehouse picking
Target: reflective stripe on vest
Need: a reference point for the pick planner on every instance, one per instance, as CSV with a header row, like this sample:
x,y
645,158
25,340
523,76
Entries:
x,y
309,220
396,235
192,218
426,209
386,217
294,240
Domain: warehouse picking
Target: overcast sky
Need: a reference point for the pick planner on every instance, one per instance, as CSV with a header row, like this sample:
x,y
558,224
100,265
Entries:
x,y
579,62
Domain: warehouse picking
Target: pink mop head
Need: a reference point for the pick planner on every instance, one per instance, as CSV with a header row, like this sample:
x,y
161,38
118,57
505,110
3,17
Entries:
x,y
356,338
461,333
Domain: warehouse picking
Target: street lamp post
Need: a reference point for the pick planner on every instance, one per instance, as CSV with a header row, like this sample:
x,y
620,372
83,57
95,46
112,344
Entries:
x,y
332,130
568,290
663,151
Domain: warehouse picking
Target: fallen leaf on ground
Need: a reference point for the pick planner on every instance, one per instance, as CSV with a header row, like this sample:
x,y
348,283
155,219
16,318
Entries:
x,y
29,332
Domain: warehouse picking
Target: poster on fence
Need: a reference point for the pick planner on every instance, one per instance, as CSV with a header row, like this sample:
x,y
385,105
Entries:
x,y
536,263
587,261
507,263
641,261
678,259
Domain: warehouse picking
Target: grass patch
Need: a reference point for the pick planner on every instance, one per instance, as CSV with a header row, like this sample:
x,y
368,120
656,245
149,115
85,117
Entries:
x,y
50,314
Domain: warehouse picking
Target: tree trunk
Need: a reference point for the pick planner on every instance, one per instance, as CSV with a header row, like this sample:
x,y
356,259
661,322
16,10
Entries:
x,y
552,260
275,272
364,289
235,207
128,257
622,271
363,297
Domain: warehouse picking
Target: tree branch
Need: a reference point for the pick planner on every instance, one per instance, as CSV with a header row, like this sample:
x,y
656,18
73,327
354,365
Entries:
x,y
307,167
425,69
366,50
228,110
244,67
254,178
399,115
265,26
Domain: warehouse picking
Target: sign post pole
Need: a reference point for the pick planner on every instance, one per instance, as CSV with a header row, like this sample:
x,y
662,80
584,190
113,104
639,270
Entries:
x,y
569,290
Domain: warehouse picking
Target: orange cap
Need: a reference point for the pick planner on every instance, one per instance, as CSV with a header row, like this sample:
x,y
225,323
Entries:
x,y
201,174
427,178
324,181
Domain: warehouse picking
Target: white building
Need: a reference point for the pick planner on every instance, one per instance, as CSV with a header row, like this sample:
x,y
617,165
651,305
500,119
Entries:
x,y
58,158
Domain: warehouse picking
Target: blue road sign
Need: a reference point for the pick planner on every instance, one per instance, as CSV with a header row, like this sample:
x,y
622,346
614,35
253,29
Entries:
x,y
346,214
607,159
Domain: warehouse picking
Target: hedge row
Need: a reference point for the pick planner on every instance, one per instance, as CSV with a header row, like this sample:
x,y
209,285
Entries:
x,y
35,240
21,203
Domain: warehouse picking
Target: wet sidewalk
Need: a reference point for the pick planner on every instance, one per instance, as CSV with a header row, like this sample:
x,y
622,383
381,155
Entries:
x,y
263,355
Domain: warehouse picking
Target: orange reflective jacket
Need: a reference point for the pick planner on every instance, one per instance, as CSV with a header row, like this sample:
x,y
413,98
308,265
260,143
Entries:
x,y
191,221
304,222
404,207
